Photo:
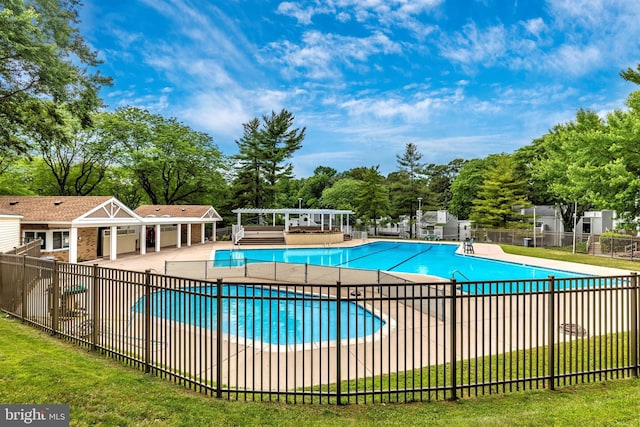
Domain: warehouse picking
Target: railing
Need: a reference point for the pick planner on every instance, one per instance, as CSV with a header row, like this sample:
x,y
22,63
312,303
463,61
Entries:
x,y
613,246
336,343
31,248
235,268
238,234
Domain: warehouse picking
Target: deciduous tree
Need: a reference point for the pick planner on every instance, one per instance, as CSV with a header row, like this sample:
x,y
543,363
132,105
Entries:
x,y
44,63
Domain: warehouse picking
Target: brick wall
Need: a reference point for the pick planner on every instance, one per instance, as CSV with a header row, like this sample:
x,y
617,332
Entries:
x,y
87,243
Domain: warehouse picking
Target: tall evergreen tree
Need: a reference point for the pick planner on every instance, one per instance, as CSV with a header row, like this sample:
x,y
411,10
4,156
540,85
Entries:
x,y
407,187
372,199
264,149
249,182
500,195
278,143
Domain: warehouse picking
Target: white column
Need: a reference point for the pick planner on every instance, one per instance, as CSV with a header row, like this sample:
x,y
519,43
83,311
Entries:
x,y
157,233
188,234
214,236
73,245
202,236
143,240
113,243
286,221
178,235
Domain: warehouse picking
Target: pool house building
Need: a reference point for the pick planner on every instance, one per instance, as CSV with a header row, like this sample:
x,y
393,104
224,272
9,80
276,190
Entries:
x,y
79,228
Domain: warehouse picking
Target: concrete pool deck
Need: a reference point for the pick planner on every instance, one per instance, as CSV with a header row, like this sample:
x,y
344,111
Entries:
x,y
417,339
155,261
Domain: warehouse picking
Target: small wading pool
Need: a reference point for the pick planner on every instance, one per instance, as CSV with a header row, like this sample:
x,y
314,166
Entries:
x,y
265,315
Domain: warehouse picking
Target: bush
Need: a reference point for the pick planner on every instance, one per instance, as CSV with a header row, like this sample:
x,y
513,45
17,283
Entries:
x,y
618,242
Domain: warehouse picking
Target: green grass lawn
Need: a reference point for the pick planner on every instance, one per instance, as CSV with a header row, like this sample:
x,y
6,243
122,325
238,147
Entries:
x,y
558,255
36,368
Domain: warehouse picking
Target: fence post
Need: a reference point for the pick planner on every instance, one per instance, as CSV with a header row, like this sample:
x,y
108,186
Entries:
x,y
453,337
23,287
94,308
551,360
55,289
219,338
634,324
147,321
338,342
306,273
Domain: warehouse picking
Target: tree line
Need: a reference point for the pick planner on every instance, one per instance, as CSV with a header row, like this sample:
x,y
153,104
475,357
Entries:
x,y
56,138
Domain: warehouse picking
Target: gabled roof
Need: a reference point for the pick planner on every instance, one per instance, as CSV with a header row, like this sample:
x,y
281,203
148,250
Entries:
x,y
67,210
50,208
178,211
100,211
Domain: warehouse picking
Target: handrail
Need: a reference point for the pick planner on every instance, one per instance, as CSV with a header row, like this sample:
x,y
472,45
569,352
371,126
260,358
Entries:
x,y
239,235
453,275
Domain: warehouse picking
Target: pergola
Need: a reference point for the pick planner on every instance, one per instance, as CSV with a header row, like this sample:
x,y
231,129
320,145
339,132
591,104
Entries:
x,y
299,212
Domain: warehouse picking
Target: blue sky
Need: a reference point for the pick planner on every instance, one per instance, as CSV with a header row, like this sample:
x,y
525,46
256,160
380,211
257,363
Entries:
x,y
463,78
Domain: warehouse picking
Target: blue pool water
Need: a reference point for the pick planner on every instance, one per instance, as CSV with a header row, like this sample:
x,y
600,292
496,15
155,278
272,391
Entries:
x,y
266,315
405,257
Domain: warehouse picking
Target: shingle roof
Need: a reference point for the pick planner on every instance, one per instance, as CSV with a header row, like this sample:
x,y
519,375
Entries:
x,y
174,211
50,208
5,212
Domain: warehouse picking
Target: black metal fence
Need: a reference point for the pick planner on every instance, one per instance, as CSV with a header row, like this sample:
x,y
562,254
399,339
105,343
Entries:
x,y
336,343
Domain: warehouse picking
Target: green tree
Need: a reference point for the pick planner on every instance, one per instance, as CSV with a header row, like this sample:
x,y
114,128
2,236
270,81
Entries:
x,y
372,198
77,157
341,195
618,180
171,162
499,196
631,75
279,141
407,185
249,182
466,185
20,177
440,177
262,159
313,187
44,64
572,158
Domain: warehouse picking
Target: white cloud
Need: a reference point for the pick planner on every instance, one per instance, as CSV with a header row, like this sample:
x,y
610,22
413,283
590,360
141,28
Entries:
x,y
535,26
321,56
302,15
574,60
375,13
473,46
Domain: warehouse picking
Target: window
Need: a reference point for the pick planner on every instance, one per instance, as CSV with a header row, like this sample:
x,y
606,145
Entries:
x,y
60,239
30,236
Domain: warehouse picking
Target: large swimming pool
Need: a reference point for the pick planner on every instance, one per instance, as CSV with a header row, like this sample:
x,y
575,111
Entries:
x,y
434,259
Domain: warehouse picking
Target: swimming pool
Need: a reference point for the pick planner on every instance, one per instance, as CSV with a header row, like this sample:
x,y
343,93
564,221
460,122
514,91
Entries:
x,y
263,314
434,259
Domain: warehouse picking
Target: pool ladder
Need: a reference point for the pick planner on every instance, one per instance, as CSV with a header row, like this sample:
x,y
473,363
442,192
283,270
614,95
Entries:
x,y
453,275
